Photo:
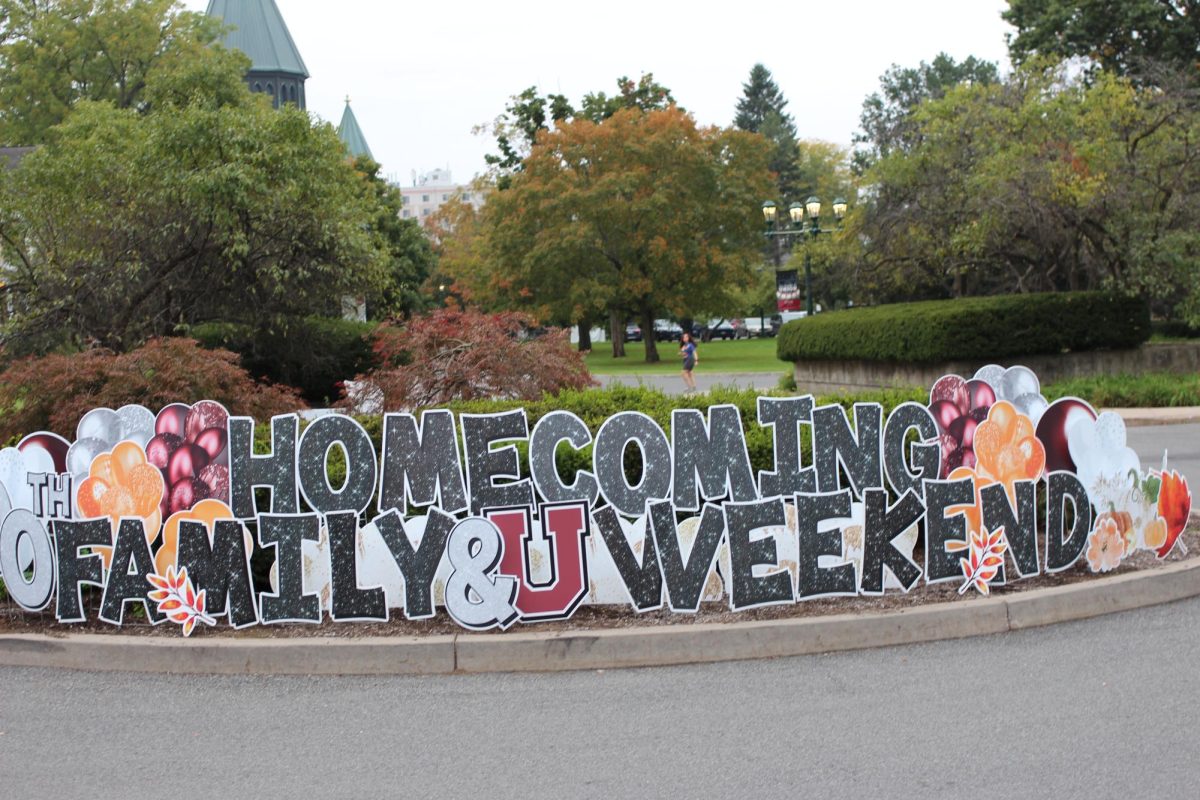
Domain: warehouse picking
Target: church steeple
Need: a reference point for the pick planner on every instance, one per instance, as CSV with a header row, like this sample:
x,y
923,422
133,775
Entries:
x,y
352,136
258,30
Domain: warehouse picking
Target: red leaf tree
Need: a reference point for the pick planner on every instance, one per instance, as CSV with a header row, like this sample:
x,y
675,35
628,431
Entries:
x,y
453,354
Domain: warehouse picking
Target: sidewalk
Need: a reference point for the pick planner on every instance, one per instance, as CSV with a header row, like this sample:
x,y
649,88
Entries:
x,y
1139,417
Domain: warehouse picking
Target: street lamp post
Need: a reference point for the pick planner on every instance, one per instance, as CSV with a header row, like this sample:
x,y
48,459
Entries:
x,y
797,228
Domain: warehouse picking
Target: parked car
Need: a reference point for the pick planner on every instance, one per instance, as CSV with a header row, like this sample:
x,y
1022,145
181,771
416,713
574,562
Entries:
x,y
633,333
723,329
667,331
758,328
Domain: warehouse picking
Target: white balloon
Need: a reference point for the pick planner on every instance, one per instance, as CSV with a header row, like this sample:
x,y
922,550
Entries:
x,y
99,423
82,454
14,472
1032,406
1018,381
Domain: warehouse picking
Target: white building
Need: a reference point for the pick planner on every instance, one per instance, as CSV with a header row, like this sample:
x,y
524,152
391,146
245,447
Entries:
x,y
433,189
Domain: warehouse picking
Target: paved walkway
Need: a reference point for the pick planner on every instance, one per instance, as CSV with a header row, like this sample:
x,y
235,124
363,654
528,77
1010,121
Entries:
x,y
673,382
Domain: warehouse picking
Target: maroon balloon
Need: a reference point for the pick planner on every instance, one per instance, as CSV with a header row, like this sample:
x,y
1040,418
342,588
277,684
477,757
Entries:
x,y
186,462
980,395
944,414
1052,432
968,458
952,462
212,442
953,389
216,478
204,415
160,449
186,493
963,430
173,420
54,446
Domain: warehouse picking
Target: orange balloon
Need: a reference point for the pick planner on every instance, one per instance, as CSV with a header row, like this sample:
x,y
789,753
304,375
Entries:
x,y
125,457
1004,415
145,483
89,497
102,468
1033,454
988,442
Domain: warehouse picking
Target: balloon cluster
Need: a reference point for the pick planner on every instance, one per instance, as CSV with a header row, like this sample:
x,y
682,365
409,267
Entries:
x,y
189,447
959,406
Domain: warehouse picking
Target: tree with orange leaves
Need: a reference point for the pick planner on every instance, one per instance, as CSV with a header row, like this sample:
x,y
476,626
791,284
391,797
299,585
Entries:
x,y
643,213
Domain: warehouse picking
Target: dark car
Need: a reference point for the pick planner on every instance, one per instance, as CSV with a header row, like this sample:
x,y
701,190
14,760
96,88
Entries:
x,y
667,331
722,329
633,333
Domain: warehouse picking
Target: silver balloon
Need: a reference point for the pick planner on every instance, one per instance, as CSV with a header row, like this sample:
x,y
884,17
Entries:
x,y
81,455
1018,381
137,424
992,375
1032,405
99,423
5,503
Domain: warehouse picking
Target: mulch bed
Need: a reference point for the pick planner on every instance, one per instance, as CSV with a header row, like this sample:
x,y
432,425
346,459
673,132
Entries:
x,y
14,620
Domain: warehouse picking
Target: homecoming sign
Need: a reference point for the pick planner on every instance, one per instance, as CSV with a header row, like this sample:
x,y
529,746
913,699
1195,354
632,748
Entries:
x,y
988,483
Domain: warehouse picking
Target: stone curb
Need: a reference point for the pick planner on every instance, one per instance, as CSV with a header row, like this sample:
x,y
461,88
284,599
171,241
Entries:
x,y
605,649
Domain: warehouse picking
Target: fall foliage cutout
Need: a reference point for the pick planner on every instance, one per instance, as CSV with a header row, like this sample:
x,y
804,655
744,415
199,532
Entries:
x,y
986,556
1174,508
178,599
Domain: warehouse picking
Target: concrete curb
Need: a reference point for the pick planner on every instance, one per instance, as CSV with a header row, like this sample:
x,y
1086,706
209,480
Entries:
x,y
605,649
1147,417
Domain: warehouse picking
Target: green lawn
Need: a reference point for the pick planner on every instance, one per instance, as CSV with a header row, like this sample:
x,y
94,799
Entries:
x,y
746,355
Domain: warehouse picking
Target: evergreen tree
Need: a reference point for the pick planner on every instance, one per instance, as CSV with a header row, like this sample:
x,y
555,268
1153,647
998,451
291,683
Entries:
x,y
762,109
761,98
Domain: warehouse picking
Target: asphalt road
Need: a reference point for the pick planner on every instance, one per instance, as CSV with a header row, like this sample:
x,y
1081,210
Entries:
x,y
1181,443
1098,709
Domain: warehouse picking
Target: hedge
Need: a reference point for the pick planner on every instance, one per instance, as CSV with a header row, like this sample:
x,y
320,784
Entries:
x,y
979,328
314,356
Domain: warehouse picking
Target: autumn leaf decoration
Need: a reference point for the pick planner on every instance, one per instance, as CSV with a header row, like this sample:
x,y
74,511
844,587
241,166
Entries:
x,y
178,599
985,558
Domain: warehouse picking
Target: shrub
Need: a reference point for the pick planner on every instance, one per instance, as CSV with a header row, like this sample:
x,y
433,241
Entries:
x,y
1174,329
315,355
1154,390
980,328
455,355
53,392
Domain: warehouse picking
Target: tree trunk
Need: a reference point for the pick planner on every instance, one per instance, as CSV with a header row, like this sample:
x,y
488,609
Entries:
x,y
648,337
616,326
585,336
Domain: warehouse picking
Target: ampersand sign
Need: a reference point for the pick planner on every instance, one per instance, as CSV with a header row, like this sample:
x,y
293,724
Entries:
x,y
474,598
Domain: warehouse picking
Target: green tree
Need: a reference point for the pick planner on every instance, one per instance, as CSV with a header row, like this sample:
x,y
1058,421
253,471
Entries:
x,y
642,213
409,252
132,53
529,113
762,109
1041,183
123,226
761,98
1118,35
886,121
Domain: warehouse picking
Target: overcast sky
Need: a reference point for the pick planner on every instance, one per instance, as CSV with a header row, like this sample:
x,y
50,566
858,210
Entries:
x,y
422,75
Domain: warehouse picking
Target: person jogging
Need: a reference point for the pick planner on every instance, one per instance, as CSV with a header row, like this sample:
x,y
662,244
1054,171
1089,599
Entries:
x,y
687,351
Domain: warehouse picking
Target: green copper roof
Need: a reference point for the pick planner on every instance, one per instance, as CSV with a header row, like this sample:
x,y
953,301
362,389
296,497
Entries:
x,y
352,135
260,32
